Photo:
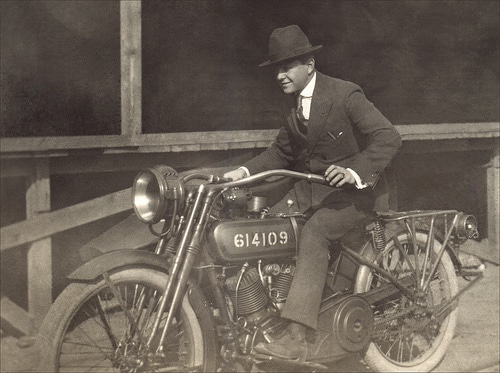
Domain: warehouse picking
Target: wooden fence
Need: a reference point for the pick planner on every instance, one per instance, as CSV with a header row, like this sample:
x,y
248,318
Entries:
x,y
36,159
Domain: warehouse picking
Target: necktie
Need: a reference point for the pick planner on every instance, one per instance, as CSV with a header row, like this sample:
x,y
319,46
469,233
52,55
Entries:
x,y
300,110
300,116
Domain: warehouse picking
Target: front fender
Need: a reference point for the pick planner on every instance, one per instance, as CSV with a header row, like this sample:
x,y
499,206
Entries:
x,y
94,268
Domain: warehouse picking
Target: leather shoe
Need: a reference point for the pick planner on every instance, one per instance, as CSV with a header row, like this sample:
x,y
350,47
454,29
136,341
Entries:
x,y
291,345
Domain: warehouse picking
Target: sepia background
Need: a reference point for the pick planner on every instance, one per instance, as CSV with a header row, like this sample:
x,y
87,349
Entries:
x,y
418,61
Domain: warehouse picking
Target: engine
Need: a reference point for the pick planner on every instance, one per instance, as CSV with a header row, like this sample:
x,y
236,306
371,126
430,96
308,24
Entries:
x,y
264,247
257,295
253,289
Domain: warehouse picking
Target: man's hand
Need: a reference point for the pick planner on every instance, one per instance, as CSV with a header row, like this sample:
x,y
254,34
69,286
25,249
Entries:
x,y
338,176
235,174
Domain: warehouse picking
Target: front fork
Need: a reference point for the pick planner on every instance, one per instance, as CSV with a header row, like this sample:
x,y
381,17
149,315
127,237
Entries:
x,y
182,265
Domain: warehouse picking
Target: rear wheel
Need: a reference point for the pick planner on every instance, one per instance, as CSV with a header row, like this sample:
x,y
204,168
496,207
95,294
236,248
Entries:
x,y
103,328
411,337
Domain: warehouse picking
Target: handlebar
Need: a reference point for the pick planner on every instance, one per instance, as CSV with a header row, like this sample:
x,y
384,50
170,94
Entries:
x,y
267,174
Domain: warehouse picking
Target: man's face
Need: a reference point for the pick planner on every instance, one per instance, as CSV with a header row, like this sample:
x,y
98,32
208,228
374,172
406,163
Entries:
x,y
293,76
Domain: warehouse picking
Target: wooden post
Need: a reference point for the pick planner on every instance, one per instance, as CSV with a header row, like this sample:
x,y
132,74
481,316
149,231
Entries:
x,y
39,259
489,248
493,202
131,67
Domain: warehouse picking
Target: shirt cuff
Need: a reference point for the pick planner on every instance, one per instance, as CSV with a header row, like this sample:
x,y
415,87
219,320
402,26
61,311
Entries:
x,y
360,184
246,170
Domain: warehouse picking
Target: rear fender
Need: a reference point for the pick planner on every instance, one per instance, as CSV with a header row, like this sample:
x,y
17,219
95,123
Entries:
x,y
371,254
93,269
439,236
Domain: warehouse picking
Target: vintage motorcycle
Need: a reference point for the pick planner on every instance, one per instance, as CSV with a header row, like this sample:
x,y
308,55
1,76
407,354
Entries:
x,y
215,281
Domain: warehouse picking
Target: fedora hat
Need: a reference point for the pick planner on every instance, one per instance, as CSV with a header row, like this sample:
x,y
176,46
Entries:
x,y
287,43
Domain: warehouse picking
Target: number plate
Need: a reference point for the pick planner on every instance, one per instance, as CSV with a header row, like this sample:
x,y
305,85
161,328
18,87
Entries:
x,y
260,239
252,239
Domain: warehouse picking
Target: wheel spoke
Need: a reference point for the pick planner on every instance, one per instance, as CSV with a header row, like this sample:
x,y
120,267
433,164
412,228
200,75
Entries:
x,y
411,345
105,321
405,254
92,342
405,333
105,334
388,353
415,252
132,327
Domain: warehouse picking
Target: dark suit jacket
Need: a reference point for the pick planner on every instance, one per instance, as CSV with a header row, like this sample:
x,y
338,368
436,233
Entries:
x,y
365,141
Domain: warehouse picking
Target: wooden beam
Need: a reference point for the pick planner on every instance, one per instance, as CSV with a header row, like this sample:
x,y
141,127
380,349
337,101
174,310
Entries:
x,y
39,257
442,131
449,145
136,162
45,225
15,319
155,143
16,167
131,67
214,140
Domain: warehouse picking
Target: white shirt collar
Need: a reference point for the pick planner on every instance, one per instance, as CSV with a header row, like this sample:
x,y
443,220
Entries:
x,y
307,94
309,88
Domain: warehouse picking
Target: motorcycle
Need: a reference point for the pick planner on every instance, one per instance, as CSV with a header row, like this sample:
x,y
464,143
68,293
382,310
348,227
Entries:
x,y
214,283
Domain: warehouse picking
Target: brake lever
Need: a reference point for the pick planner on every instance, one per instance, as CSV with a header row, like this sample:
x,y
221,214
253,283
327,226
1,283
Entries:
x,y
219,179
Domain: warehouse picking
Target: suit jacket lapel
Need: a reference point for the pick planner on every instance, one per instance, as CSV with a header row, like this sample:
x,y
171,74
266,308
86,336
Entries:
x,y
293,126
320,107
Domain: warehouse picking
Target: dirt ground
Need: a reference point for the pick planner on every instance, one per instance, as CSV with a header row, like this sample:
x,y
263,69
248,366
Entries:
x,y
475,347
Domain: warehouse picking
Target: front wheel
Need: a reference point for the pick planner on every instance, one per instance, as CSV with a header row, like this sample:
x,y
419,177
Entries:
x,y
410,337
104,327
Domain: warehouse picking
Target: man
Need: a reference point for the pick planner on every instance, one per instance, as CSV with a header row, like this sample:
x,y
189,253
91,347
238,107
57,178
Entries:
x,y
335,131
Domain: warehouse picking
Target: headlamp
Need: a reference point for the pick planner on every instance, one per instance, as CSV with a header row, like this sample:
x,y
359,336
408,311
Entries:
x,y
153,191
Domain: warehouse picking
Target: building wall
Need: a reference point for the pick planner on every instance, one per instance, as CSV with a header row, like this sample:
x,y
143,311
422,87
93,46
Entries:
x,y
418,61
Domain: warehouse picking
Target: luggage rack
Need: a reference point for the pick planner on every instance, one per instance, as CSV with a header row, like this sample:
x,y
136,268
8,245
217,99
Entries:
x,y
465,226
446,221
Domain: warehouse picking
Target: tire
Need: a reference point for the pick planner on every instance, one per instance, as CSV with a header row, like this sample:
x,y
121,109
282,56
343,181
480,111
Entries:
x,y
87,330
413,342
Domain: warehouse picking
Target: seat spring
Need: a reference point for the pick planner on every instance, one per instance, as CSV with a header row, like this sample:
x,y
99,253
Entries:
x,y
379,236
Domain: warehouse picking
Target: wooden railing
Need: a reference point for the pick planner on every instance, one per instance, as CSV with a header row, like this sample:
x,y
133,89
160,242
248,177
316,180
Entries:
x,y
47,224
35,159
217,140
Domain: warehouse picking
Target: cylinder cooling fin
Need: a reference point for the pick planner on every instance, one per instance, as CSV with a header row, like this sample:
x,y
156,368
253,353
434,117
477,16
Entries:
x,y
282,284
247,292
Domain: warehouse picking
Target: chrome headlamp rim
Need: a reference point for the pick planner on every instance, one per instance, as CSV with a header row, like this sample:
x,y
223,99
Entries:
x,y
147,208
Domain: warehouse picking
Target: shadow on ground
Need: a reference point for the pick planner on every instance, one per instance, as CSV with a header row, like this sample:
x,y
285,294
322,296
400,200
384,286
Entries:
x,y
475,347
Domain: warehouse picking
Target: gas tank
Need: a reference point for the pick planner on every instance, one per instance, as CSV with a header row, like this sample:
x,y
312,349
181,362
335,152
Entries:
x,y
245,239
